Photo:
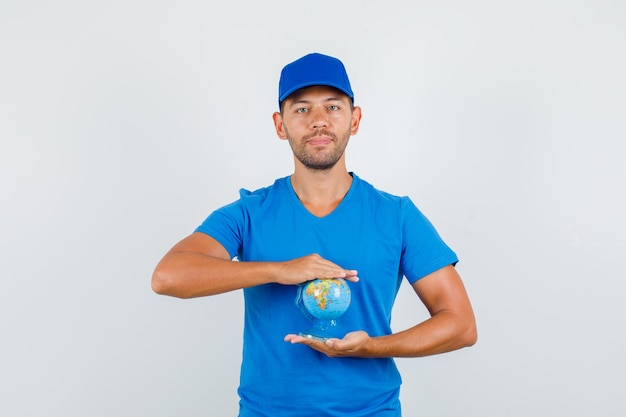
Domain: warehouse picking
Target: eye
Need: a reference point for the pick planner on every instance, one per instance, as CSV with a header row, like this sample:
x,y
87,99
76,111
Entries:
x,y
302,110
333,107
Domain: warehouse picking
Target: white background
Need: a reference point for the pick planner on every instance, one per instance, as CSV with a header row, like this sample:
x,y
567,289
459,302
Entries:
x,y
124,123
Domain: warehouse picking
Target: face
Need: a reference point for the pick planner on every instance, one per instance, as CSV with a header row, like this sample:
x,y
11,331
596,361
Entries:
x,y
318,122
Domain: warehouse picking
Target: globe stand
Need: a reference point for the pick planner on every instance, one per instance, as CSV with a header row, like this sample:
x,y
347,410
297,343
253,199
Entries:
x,y
321,330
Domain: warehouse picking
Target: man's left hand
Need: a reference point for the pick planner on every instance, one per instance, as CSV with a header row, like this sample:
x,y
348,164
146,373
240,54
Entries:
x,y
354,344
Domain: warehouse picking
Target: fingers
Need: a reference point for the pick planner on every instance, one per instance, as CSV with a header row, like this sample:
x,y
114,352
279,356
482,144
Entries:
x,y
294,338
351,275
332,270
323,268
314,266
352,344
348,275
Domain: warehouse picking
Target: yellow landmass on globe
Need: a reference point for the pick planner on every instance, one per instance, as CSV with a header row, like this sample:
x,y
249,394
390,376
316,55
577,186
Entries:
x,y
319,291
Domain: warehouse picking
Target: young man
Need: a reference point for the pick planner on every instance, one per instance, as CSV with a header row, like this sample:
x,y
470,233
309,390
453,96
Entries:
x,y
322,222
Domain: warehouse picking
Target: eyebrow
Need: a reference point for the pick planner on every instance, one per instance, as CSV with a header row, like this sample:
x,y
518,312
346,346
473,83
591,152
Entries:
x,y
303,101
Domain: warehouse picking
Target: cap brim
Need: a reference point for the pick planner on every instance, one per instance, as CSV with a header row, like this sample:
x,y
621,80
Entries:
x,y
311,84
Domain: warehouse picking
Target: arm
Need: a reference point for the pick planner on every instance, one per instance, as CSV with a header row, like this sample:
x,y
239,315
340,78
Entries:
x,y
450,327
199,265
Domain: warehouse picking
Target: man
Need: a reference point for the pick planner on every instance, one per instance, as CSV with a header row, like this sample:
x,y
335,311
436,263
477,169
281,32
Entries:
x,y
322,222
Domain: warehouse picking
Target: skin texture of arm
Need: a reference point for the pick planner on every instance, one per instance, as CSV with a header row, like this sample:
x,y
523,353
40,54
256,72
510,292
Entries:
x,y
199,266
451,326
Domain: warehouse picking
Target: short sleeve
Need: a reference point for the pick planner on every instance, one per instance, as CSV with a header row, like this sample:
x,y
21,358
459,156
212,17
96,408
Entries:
x,y
423,250
226,225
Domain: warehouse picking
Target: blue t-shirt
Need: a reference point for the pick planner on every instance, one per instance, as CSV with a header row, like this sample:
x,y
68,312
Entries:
x,y
384,237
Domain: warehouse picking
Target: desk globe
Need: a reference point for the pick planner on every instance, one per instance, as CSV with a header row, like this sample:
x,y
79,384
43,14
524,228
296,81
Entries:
x,y
323,301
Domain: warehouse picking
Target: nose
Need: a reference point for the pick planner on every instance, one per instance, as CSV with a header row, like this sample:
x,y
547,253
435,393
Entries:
x,y
318,118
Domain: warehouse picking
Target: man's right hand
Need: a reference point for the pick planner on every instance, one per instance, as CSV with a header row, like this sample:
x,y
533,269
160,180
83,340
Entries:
x,y
309,267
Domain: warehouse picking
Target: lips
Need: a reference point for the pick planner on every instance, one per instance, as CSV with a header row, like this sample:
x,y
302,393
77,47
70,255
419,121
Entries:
x,y
319,141
320,138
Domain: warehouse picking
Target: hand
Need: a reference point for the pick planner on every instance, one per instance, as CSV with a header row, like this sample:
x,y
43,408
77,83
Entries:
x,y
307,268
354,344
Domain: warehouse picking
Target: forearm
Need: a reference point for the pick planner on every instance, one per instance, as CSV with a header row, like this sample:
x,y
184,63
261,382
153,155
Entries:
x,y
189,274
444,332
199,266
451,326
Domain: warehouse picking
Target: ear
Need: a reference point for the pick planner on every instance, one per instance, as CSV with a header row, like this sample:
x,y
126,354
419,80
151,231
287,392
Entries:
x,y
356,120
279,125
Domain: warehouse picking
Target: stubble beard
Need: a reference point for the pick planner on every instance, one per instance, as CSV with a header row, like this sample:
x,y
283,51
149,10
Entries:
x,y
317,159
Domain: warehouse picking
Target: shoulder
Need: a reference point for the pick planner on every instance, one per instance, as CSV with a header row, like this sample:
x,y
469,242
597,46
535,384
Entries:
x,y
382,203
366,189
261,196
235,216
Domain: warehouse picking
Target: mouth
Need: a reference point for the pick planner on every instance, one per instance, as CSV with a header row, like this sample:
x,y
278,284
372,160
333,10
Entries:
x,y
319,141
320,138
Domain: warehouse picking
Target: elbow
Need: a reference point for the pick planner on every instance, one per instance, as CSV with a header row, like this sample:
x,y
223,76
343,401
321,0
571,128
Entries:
x,y
160,283
470,336
163,284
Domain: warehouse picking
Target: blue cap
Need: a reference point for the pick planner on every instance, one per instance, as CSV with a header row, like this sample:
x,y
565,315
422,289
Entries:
x,y
313,69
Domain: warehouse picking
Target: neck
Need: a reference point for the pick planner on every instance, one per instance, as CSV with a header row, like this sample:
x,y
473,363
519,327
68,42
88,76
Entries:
x,y
321,191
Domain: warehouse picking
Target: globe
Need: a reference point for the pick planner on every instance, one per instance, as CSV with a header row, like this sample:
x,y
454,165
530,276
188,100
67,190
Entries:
x,y
323,301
